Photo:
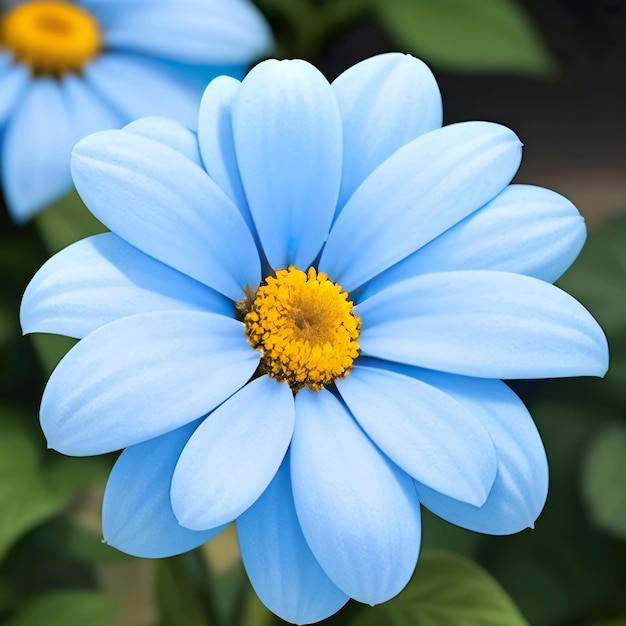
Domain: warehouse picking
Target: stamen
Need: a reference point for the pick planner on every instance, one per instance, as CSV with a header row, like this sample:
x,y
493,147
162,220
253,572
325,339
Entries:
x,y
51,37
305,328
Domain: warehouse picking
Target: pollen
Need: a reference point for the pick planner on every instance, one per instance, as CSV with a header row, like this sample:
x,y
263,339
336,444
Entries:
x,y
304,326
52,37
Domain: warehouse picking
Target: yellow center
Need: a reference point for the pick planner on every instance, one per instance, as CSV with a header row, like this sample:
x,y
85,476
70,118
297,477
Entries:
x,y
52,38
305,328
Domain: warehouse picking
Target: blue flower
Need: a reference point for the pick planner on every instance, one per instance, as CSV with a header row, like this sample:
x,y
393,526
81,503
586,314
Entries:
x,y
300,321
68,69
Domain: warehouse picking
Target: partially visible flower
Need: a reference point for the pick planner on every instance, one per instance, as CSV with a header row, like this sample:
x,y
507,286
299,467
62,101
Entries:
x,y
68,69
300,321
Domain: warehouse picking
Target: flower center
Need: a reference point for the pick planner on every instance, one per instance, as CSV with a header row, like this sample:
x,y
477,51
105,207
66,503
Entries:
x,y
305,328
52,38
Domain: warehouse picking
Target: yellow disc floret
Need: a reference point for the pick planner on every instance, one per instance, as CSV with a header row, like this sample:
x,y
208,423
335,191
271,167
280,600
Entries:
x,y
52,37
304,325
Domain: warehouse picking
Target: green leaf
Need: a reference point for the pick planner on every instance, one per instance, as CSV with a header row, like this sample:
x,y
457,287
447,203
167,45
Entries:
x,y
65,222
24,500
619,621
242,605
446,590
561,569
604,478
65,538
31,493
183,591
598,277
302,27
8,324
439,534
487,35
51,349
84,545
67,608
21,254
597,280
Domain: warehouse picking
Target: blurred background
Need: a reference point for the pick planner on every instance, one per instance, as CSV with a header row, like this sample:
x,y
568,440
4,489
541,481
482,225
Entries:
x,y
552,70
571,121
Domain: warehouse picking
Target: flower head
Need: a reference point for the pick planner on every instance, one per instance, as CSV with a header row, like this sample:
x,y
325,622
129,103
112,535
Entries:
x,y
68,69
304,326
300,321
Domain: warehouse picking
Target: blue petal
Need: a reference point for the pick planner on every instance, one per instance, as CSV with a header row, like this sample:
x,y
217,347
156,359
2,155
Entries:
x,y
37,145
168,132
485,324
217,144
385,102
6,60
524,230
426,432
197,77
234,454
521,485
137,516
13,80
280,565
358,512
100,279
88,111
138,87
162,203
191,31
142,376
419,192
287,134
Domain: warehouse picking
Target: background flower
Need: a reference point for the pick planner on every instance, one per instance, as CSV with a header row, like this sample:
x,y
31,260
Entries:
x,y
68,69
325,485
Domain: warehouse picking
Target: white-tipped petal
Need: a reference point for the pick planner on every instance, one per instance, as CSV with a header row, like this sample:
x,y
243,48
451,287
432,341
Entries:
x,y
100,279
164,204
168,132
279,563
189,31
484,324
385,102
428,433
359,513
13,81
217,144
88,111
287,132
521,485
137,86
420,191
525,230
137,516
233,455
142,376
36,146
